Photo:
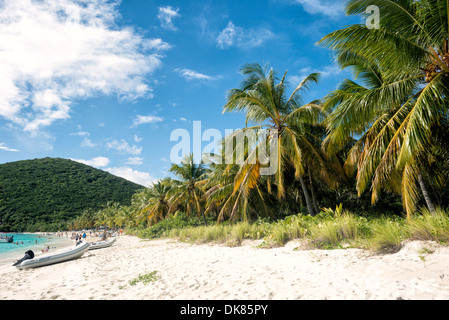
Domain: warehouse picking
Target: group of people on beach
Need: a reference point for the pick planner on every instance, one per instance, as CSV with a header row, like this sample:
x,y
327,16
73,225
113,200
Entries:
x,y
92,233
80,237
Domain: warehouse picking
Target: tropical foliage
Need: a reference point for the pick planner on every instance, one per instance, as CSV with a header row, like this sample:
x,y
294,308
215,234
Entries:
x,y
263,99
187,192
376,146
385,130
401,108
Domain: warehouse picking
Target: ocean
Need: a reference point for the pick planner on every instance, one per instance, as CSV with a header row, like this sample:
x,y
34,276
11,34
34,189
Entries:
x,y
10,252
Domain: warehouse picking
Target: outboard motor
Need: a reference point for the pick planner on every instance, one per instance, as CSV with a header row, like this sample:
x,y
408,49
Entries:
x,y
28,255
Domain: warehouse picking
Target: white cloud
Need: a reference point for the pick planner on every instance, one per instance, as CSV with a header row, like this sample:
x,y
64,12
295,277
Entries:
x,y
156,44
325,72
227,36
166,15
134,160
53,52
139,177
80,133
124,147
97,162
87,143
137,139
330,8
233,36
330,71
5,148
191,75
146,119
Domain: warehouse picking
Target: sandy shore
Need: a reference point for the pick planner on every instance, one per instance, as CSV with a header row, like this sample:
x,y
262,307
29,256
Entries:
x,y
203,272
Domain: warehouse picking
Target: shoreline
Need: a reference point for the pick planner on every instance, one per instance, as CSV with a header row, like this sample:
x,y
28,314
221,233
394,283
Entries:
x,y
212,272
55,243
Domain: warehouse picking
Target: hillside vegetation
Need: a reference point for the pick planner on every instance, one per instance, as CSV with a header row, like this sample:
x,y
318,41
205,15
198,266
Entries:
x,y
43,194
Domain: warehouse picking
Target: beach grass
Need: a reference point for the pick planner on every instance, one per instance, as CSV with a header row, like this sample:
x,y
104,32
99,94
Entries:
x,y
434,227
387,235
331,229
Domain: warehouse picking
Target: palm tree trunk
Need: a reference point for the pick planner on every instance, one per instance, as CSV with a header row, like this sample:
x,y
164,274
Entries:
x,y
426,194
198,208
307,196
299,198
312,190
204,218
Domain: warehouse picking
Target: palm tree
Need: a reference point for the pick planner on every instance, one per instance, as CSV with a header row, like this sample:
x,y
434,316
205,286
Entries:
x,y
409,54
219,193
139,201
188,190
266,104
221,198
355,111
124,217
156,206
88,218
106,217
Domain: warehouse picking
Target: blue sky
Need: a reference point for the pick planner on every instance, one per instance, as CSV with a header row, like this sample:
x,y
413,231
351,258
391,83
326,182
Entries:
x,y
106,82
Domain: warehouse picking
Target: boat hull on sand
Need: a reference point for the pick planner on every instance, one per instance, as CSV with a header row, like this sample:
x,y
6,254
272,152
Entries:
x,y
102,244
45,260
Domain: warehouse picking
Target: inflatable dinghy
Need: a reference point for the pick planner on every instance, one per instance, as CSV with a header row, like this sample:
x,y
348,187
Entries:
x,y
30,261
102,244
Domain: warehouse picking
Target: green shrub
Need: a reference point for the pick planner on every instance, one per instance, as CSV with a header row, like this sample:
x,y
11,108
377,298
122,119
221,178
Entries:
x,y
348,226
169,226
429,226
334,229
145,279
325,234
387,235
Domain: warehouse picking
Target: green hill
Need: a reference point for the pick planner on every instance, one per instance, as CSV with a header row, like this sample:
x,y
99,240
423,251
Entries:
x,y
43,194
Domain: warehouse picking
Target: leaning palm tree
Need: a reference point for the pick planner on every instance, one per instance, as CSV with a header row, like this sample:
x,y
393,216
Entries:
x,y
219,193
355,112
227,203
106,217
139,201
187,190
265,101
411,51
90,217
157,205
124,217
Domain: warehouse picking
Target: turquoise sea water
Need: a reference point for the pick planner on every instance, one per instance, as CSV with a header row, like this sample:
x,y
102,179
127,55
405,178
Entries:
x,y
9,252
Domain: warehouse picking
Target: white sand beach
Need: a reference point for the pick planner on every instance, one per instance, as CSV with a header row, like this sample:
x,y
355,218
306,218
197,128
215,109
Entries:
x,y
215,272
